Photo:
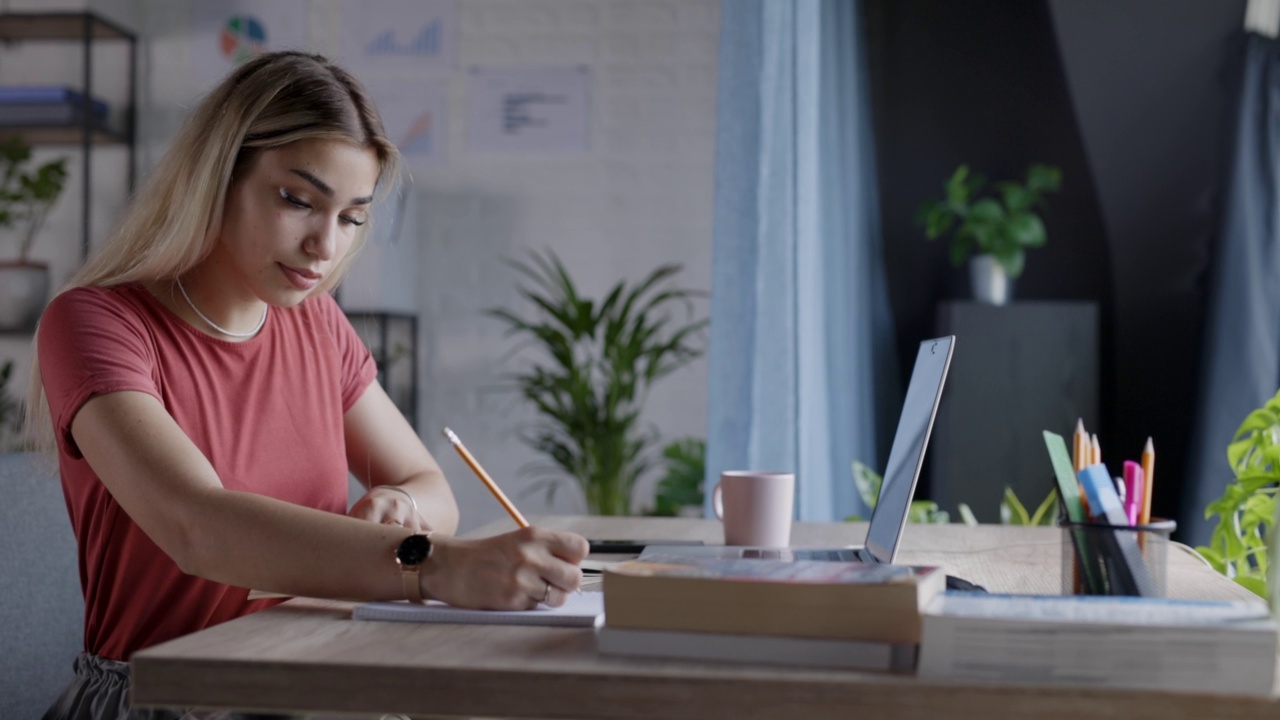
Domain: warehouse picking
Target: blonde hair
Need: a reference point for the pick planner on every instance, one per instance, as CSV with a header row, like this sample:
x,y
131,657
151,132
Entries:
x,y
172,222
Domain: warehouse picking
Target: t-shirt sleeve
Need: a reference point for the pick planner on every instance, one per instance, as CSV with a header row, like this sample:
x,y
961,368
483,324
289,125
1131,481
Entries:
x,y
91,342
358,368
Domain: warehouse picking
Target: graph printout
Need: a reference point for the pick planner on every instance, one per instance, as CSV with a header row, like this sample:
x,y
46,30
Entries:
x,y
415,113
229,32
534,109
399,36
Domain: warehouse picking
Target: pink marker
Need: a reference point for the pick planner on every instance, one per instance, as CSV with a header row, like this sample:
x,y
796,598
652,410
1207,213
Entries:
x,y
1134,489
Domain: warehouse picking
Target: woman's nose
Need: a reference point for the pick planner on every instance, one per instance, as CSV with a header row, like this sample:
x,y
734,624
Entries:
x,y
322,241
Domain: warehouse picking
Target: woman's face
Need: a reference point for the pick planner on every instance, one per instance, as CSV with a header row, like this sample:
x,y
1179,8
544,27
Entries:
x,y
292,216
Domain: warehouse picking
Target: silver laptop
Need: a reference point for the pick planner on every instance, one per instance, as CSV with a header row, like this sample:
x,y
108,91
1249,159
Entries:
x,y
906,458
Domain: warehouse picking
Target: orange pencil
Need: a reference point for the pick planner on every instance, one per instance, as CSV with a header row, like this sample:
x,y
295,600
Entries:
x,y
484,477
1080,454
1149,470
1097,450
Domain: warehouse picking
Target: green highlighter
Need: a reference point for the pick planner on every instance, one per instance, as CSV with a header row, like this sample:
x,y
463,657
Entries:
x,y
1086,556
1068,487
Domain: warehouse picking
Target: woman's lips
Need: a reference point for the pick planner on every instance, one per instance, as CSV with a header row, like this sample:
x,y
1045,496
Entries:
x,y
301,279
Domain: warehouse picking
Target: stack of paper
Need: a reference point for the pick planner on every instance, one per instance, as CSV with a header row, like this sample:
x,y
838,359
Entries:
x,y
579,610
1113,642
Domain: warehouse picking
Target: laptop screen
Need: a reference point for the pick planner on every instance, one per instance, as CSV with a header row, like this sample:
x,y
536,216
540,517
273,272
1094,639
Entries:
x,y
906,457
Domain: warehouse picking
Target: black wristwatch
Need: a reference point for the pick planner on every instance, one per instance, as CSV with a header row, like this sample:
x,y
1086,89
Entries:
x,y
411,553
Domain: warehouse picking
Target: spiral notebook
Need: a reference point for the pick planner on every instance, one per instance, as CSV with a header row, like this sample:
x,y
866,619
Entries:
x,y
579,610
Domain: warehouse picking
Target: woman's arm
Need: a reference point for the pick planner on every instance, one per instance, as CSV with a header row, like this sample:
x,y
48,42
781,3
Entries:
x,y
383,449
161,479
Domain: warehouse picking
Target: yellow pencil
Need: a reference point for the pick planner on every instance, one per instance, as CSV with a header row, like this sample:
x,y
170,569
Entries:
x,y
1083,455
1080,446
1097,450
484,477
1149,473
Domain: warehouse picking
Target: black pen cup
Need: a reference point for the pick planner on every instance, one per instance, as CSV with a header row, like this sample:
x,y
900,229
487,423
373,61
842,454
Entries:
x,y
1100,559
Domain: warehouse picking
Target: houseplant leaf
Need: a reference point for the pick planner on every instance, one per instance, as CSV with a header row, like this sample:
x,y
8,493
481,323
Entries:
x,y
586,368
1003,224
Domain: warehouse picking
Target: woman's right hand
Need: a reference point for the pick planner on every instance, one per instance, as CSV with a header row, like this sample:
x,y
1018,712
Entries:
x,y
513,571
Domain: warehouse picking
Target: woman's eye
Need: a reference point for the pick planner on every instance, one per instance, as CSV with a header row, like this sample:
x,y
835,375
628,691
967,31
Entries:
x,y
351,221
293,200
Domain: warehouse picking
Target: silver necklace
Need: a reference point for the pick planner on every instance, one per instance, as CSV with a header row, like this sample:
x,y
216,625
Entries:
x,y
216,326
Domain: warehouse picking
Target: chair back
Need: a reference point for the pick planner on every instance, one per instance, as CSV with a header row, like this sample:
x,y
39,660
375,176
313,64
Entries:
x,y
41,603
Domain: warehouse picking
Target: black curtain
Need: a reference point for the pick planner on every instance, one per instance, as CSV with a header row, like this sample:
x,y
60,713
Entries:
x,y
1133,101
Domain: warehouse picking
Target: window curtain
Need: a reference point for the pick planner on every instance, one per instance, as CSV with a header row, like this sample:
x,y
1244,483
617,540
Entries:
x,y
1241,366
801,360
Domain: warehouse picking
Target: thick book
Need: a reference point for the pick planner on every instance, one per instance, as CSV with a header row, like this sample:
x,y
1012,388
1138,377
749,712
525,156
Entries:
x,y
808,599
720,647
1100,641
579,610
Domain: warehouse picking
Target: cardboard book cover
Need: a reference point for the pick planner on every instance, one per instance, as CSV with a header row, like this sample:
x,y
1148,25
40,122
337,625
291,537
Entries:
x,y
855,601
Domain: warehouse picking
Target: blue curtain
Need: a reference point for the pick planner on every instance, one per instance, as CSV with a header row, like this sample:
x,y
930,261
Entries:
x,y
801,361
1241,367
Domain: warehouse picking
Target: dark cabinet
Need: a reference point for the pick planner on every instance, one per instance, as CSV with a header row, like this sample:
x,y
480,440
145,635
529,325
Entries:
x,y
1018,369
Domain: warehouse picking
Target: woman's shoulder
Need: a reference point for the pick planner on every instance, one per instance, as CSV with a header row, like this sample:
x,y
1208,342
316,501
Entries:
x,y
122,301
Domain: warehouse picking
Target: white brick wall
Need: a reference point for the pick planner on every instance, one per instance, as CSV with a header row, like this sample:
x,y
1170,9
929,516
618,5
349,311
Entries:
x,y
640,197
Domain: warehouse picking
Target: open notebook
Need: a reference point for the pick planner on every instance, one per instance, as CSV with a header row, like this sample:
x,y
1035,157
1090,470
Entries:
x,y
579,610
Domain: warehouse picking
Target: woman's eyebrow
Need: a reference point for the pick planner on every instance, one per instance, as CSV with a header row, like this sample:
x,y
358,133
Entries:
x,y
323,187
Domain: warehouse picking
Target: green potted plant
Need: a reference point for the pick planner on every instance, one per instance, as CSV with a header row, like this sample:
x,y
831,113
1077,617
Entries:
x,y
1012,511
991,228
679,492
590,369
27,194
1246,510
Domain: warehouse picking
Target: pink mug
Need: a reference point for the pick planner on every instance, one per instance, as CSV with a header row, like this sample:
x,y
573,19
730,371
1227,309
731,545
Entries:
x,y
755,507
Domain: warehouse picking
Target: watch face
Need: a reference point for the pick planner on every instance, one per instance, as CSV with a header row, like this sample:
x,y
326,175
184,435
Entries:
x,y
413,550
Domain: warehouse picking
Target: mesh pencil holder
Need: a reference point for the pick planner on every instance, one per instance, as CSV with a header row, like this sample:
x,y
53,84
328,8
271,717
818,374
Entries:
x,y
1100,559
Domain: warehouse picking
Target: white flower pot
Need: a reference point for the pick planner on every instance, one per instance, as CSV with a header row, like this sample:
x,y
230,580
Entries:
x,y
24,291
990,283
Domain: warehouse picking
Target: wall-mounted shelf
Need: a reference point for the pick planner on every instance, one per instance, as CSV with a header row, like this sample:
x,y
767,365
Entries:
x,y
22,27
85,29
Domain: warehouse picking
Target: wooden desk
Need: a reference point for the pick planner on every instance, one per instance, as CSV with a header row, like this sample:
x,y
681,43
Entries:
x,y
309,656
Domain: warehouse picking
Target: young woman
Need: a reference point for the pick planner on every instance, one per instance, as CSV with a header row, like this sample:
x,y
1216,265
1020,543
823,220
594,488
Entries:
x,y
207,397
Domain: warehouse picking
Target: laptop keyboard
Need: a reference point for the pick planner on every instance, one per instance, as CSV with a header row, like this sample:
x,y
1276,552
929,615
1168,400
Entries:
x,y
762,554
829,555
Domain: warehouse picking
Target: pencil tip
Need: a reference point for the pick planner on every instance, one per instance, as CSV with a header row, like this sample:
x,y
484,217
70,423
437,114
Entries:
x,y
1079,425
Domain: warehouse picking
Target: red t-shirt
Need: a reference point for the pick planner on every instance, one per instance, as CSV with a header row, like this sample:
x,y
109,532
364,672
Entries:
x,y
267,413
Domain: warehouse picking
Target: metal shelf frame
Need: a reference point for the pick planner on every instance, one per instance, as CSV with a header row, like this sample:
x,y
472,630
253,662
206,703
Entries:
x,y
85,28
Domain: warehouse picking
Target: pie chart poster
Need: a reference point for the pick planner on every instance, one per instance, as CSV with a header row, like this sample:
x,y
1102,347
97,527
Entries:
x,y
229,32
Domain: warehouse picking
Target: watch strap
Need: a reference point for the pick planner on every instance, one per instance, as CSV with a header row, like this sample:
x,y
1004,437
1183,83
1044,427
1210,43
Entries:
x,y
411,578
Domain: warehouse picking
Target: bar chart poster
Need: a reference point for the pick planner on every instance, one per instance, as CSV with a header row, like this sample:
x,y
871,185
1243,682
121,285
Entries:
x,y
523,110
227,33
414,113
399,36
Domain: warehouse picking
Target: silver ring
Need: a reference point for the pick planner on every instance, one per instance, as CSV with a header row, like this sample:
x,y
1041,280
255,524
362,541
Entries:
x,y
546,596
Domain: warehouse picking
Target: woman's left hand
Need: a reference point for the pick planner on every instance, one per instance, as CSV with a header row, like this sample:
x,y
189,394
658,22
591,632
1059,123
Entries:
x,y
389,507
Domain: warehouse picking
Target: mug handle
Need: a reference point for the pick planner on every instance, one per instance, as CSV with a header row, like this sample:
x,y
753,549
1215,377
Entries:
x,y
717,502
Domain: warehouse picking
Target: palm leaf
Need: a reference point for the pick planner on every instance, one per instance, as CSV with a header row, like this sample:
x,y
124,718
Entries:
x,y
590,370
